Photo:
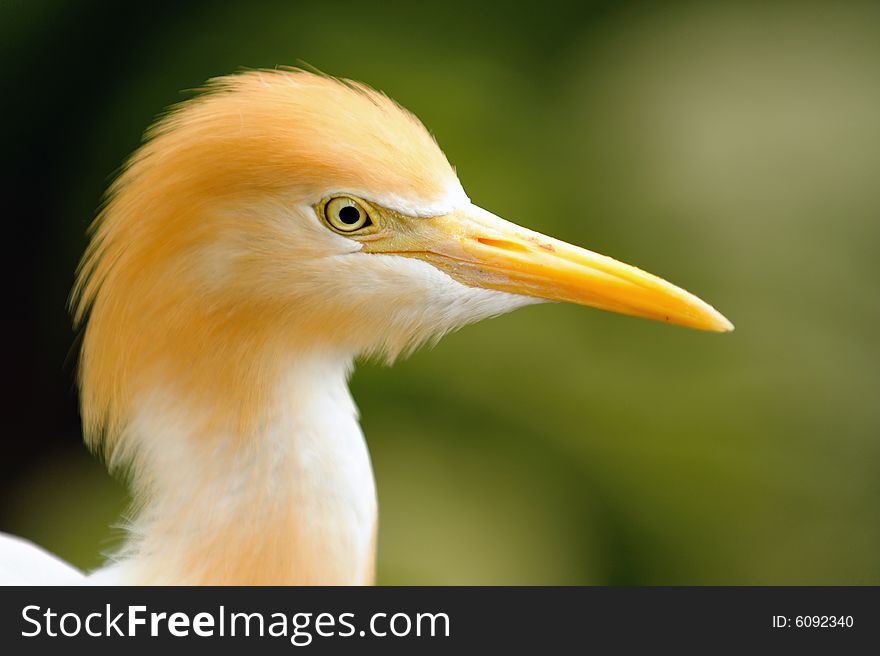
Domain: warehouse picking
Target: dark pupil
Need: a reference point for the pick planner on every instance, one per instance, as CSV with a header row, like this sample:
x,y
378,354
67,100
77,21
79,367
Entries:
x,y
349,215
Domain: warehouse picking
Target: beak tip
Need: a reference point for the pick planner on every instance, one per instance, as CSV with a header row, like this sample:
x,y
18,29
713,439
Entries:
x,y
721,324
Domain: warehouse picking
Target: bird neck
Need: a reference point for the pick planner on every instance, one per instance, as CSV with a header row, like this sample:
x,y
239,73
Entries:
x,y
294,503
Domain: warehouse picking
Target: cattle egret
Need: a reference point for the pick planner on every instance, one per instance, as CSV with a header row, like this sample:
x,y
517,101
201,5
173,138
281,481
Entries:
x,y
267,233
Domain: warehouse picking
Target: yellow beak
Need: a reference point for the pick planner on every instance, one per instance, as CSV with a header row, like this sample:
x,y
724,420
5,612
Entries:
x,y
480,249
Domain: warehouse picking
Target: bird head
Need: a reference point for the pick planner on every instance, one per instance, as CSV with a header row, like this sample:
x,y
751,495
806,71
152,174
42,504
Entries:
x,y
281,211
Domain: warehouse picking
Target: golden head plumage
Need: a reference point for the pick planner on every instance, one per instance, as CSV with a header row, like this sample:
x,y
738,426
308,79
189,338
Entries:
x,y
249,141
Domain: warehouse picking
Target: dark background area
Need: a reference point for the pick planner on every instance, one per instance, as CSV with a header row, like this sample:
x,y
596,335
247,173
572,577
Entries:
x,y
732,147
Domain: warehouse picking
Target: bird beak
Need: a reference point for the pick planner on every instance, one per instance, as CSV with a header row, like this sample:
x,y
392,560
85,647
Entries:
x,y
480,249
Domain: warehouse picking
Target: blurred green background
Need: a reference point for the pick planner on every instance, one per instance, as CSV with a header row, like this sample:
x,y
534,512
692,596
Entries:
x,y
731,147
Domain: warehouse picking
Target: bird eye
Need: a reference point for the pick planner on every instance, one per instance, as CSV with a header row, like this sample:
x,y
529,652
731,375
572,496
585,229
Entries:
x,y
345,214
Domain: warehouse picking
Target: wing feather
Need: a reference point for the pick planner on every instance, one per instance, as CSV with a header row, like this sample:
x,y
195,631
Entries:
x,y
24,563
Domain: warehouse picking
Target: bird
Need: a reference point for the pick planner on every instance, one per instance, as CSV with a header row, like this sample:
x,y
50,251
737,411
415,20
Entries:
x,y
267,233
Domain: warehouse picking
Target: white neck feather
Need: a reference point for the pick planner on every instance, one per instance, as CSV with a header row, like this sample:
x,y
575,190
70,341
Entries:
x,y
297,505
